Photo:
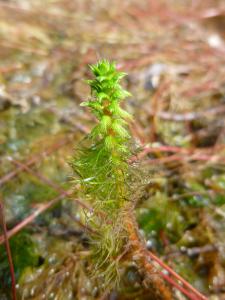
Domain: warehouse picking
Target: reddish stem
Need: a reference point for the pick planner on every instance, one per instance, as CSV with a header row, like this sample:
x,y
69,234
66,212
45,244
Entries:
x,y
178,277
35,159
8,251
32,216
179,287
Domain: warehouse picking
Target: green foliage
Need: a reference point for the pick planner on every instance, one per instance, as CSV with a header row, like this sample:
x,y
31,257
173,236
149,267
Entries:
x,y
220,200
23,254
160,215
198,201
102,164
102,169
151,220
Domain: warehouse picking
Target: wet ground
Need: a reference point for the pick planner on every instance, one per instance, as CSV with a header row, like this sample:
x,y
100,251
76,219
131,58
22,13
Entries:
x,y
174,54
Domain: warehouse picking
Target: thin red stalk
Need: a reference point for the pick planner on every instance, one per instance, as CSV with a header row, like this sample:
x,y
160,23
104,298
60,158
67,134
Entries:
x,y
134,236
32,216
49,182
21,47
35,159
169,116
195,157
178,157
178,277
8,250
179,287
46,152
175,149
42,208
140,252
192,153
10,68
45,180
137,132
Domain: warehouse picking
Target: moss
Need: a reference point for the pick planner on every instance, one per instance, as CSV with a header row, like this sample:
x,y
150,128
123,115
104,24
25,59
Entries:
x,y
24,254
102,170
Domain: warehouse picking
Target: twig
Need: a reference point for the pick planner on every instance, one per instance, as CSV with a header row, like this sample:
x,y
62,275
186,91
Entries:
x,y
32,216
139,252
23,48
8,250
141,249
190,116
35,159
179,287
50,183
178,277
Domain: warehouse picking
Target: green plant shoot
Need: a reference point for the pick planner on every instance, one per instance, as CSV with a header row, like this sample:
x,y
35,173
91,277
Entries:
x,y
102,169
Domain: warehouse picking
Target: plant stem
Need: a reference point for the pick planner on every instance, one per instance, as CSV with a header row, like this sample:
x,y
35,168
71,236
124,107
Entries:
x,y
8,250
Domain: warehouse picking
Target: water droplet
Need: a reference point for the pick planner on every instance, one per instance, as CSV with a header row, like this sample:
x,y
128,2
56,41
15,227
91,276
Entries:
x,y
169,225
88,285
52,259
149,244
153,233
51,271
77,216
190,239
32,291
165,272
67,274
88,179
180,218
183,249
142,233
95,291
51,296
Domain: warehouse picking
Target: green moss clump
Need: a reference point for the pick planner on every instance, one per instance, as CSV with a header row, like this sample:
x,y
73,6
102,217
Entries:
x,y
24,255
101,166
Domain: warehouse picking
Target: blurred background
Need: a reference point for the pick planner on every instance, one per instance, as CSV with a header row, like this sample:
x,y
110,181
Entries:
x,y
174,54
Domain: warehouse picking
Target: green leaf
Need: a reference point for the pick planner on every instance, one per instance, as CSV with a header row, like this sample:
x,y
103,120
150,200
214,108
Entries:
x,y
110,142
85,103
101,96
105,123
119,129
